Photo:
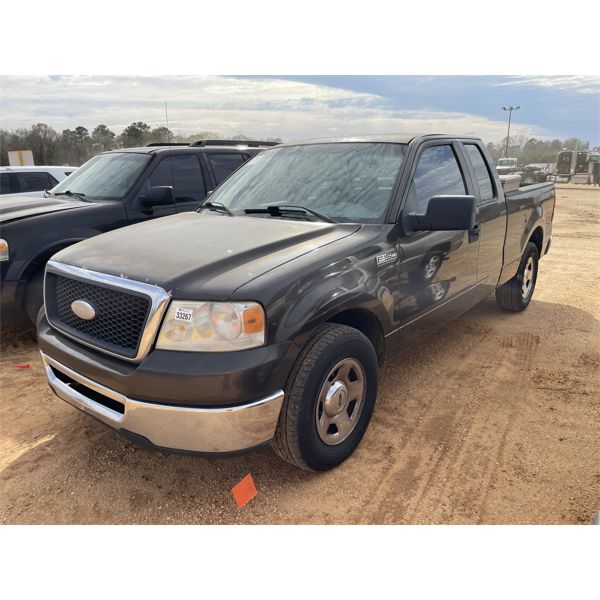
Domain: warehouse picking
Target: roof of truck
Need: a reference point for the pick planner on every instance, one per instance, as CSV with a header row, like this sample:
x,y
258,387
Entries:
x,y
393,138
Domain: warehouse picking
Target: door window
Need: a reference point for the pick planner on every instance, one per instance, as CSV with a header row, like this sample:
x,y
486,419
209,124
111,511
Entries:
x,y
184,175
35,181
482,174
225,164
4,183
437,173
187,178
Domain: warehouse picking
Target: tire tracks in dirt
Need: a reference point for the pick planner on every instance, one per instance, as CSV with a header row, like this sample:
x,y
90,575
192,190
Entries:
x,y
459,438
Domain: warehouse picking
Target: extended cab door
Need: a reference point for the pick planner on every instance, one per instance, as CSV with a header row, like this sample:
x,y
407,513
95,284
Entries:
x,y
438,269
492,216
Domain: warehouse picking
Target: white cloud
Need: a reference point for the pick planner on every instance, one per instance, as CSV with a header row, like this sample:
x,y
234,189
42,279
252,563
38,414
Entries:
x,y
584,84
226,105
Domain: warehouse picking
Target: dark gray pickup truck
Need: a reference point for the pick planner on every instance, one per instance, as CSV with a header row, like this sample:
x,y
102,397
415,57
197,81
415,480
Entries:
x,y
264,316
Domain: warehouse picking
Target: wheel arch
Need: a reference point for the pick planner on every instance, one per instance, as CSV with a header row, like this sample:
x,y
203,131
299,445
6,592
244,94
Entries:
x,y
367,323
537,238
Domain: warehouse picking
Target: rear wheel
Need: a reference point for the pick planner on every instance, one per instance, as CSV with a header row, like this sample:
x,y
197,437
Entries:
x,y
329,399
515,295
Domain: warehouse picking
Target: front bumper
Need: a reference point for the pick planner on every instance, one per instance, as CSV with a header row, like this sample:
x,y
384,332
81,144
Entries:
x,y
180,428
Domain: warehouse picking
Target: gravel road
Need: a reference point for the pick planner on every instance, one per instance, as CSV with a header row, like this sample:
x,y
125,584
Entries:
x,y
510,433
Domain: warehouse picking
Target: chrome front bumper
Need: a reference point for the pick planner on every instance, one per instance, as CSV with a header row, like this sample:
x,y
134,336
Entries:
x,y
218,430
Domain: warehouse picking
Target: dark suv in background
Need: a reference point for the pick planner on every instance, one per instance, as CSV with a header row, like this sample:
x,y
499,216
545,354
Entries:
x,y
111,190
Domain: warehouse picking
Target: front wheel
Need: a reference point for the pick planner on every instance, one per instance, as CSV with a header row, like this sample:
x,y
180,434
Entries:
x,y
329,399
34,296
515,295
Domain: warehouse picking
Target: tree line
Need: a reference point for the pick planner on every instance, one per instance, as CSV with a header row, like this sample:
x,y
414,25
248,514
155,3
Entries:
x,y
75,146
531,150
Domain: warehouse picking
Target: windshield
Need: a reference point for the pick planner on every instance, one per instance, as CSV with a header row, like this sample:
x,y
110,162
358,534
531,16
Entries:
x,y
506,162
106,176
349,182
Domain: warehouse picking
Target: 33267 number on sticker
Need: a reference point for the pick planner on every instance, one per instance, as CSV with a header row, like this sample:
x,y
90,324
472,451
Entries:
x,y
183,314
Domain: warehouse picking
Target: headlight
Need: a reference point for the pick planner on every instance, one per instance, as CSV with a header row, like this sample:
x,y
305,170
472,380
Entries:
x,y
212,326
3,250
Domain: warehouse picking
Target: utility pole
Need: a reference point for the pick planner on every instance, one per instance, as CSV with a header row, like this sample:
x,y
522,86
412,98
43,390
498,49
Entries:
x,y
509,109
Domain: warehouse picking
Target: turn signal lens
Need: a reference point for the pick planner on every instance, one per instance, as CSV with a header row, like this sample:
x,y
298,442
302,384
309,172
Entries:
x,y
253,319
3,250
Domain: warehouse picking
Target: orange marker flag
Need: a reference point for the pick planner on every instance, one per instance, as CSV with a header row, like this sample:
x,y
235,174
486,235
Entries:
x,y
244,491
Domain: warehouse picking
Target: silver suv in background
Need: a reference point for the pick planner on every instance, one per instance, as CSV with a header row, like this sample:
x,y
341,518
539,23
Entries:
x,y
31,181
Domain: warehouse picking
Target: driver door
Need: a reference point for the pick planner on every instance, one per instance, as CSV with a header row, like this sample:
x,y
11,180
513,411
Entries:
x,y
438,269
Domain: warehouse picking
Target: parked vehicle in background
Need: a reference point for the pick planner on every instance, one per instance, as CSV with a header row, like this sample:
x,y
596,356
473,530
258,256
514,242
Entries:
x,y
535,173
111,190
265,316
506,166
576,166
31,181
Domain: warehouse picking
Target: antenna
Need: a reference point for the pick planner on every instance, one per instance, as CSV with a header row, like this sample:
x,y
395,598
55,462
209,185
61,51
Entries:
x,y
167,119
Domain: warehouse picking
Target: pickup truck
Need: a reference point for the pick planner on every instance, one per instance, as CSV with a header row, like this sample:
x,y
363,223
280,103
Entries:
x,y
111,190
265,316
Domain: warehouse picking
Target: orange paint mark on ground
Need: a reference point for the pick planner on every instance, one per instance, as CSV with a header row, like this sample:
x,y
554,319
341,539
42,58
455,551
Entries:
x,y
23,366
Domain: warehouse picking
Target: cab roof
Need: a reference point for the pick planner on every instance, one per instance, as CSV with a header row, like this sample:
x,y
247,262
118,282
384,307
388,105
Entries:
x,y
390,138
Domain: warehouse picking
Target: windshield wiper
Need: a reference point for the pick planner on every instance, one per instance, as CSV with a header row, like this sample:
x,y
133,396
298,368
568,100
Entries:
x,y
217,206
278,210
71,194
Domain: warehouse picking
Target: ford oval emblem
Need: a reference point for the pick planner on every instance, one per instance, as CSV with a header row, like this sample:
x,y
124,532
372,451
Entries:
x,y
83,309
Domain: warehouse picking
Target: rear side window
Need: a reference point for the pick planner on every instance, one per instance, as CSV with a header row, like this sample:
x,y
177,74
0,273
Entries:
x,y
4,183
437,173
224,165
35,181
486,189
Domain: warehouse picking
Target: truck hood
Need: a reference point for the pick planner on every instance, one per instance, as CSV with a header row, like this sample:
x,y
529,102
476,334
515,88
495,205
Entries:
x,y
13,208
201,256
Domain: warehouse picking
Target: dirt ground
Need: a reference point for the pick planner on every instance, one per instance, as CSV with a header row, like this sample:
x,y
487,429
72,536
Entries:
x,y
510,433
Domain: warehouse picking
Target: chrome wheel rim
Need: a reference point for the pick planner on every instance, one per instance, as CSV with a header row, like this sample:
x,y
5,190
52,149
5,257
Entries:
x,y
432,266
340,401
528,273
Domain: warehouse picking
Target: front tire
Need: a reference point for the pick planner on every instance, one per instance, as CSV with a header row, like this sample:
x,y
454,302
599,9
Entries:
x,y
515,295
34,296
329,399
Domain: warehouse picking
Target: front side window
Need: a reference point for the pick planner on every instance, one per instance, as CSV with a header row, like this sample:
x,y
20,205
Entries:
x,y
106,176
349,182
183,174
437,174
486,190
224,164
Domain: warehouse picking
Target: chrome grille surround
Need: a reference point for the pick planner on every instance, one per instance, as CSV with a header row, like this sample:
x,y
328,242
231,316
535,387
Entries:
x,y
157,296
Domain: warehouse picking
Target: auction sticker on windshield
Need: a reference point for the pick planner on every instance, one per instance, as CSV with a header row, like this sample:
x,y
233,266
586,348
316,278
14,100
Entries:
x,y
183,314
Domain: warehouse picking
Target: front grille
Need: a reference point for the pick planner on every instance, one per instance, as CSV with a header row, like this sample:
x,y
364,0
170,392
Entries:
x,y
120,315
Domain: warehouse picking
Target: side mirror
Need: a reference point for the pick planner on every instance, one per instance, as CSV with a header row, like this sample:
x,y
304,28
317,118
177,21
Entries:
x,y
157,196
446,213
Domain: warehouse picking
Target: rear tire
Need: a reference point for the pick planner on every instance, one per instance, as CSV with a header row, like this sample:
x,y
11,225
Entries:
x,y
515,295
329,399
34,296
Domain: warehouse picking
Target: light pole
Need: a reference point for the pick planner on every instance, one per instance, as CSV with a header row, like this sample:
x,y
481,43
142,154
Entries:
x,y
509,109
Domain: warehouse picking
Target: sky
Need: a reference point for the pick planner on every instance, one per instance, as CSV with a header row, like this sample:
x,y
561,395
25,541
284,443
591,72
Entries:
x,y
297,107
